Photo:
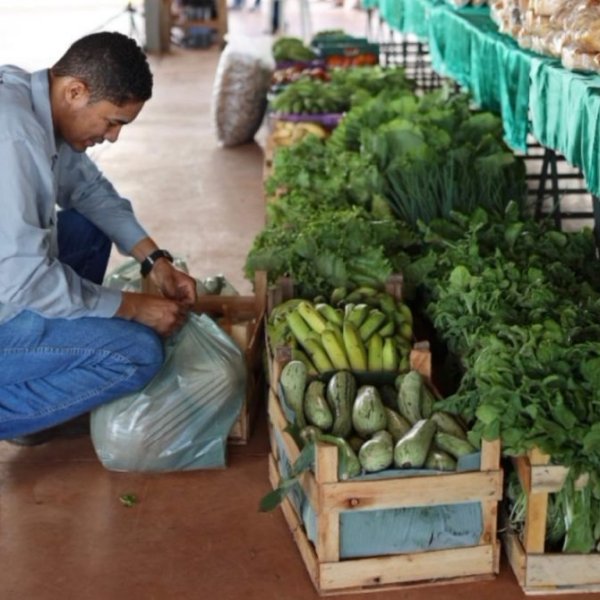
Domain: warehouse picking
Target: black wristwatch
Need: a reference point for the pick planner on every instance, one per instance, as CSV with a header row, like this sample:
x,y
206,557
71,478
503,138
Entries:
x,y
149,261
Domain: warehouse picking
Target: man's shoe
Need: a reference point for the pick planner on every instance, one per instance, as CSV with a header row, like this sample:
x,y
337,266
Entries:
x,y
77,427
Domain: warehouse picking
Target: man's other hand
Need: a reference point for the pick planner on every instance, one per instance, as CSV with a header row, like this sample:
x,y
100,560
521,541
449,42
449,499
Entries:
x,y
173,283
164,315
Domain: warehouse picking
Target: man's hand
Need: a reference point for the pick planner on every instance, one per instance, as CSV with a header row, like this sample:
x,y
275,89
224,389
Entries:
x,y
163,315
173,283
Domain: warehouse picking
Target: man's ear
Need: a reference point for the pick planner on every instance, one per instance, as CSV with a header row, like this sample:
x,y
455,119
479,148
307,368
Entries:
x,y
76,93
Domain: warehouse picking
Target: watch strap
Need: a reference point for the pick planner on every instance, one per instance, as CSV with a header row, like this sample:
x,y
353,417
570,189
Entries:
x,y
148,262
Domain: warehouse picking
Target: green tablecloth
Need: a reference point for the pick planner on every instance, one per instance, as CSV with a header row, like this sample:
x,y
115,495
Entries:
x,y
406,17
565,108
366,4
466,46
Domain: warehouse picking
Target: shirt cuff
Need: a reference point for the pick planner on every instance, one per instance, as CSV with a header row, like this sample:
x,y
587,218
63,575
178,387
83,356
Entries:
x,y
127,243
109,302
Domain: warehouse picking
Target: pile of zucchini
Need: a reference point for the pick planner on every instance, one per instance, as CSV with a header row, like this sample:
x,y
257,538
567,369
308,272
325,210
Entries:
x,y
374,427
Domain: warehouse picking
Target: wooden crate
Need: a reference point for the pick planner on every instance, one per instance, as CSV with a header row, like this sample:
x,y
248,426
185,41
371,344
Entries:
x,y
329,497
536,571
243,318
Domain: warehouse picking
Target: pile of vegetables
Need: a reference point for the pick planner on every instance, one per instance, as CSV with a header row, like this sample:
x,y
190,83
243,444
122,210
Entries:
x,y
342,89
518,303
311,96
297,72
289,48
286,133
373,427
362,330
352,193
322,251
433,154
429,189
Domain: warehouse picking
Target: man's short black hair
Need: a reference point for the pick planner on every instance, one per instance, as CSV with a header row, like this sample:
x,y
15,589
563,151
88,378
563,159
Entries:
x,y
112,65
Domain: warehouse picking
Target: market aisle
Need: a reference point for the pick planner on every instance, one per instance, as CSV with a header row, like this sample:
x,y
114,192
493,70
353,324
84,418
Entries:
x,y
64,535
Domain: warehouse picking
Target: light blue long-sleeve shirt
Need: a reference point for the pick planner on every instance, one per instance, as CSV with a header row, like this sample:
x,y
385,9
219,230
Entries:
x,y
37,173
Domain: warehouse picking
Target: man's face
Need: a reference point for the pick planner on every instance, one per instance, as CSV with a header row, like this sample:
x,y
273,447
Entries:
x,y
86,124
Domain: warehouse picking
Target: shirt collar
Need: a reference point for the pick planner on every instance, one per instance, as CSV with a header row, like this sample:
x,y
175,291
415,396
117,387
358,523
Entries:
x,y
40,92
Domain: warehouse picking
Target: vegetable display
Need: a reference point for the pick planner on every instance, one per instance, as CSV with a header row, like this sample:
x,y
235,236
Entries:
x,y
424,186
288,48
370,436
308,96
362,330
358,415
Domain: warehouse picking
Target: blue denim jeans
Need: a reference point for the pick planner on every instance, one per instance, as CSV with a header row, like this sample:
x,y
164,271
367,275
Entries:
x,y
52,370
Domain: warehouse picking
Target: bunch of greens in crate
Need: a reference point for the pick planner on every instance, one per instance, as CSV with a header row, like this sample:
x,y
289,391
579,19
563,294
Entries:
x,y
289,48
329,249
309,96
517,302
363,83
307,178
434,155
347,88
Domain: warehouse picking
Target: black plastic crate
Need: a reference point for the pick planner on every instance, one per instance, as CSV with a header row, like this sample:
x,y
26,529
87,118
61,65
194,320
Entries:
x,y
414,58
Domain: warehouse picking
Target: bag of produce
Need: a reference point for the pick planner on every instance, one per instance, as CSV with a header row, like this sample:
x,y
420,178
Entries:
x,y
240,91
181,419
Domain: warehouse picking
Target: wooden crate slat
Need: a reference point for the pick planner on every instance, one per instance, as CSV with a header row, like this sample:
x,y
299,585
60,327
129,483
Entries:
x,y
278,423
432,490
563,570
490,455
384,570
539,478
420,359
548,479
515,554
535,524
328,522
295,524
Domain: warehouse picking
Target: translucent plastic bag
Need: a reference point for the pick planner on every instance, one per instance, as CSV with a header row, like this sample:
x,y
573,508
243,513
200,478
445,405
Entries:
x,y
182,418
241,85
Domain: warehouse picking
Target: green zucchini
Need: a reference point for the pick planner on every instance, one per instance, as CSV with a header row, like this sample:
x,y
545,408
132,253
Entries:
x,y
427,401
293,383
454,445
355,442
368,412
412,450
316,409
446,423
398,384
310,434
409,397
439,460
397,426
341,391
348,463
377,453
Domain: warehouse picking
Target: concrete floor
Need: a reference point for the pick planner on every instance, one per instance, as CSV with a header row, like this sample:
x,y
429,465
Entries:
x,y
64,535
